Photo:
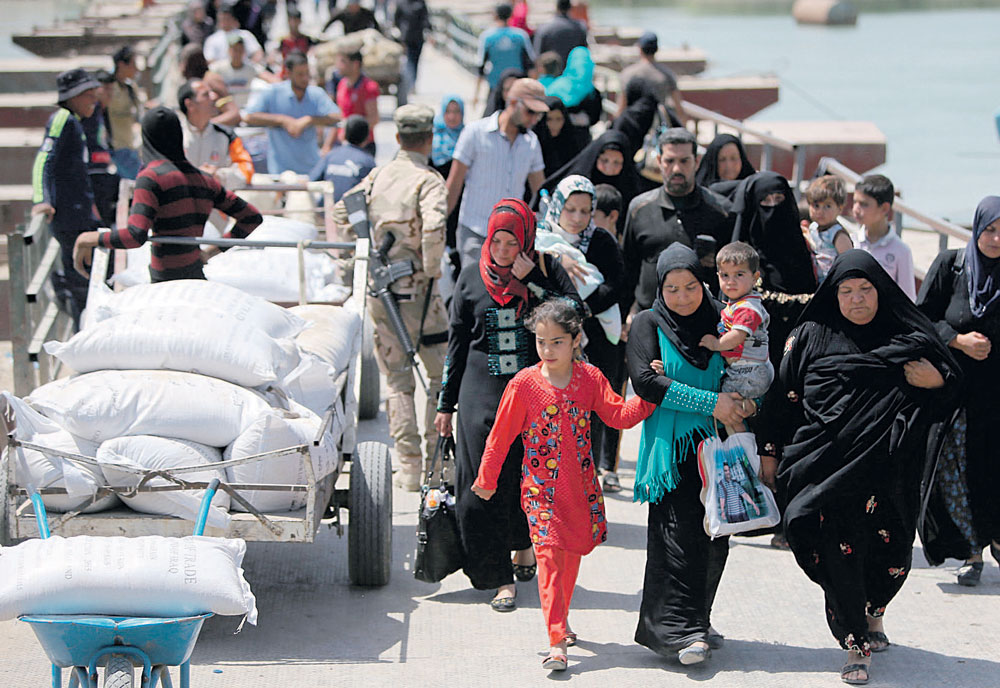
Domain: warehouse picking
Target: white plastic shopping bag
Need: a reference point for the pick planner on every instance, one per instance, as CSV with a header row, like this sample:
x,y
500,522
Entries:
x,y
736,501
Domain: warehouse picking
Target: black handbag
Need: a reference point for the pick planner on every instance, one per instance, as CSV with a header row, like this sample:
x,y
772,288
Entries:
x,y
439,548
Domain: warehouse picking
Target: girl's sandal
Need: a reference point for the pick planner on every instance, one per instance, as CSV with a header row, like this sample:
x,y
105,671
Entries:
x,y
570,639
878,641
555,663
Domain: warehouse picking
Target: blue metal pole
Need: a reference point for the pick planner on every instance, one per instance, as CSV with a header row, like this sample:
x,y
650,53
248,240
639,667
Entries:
x,y
206,502
40,516
56,677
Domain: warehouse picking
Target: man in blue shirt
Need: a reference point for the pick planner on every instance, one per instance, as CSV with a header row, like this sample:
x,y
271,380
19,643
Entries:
x,y
61,182
347,164
292,110
502,47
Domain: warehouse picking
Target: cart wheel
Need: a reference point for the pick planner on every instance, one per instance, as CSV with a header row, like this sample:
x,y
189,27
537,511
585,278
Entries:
x,y
118,673
370,396
369,532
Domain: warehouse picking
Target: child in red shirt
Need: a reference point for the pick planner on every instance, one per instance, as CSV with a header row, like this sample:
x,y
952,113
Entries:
x,y
549,405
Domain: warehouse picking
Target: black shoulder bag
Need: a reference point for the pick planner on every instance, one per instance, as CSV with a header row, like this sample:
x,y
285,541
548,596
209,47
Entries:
x,y
439,549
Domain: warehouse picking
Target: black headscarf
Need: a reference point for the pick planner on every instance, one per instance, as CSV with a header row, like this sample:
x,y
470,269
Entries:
x,y
685,331
556,150
585,163
708,170
776,234
638,116
983,272
863,426
495,101
162,137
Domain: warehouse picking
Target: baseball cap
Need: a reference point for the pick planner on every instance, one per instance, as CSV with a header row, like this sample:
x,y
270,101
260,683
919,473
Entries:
x,y
530,92
648,41
413,119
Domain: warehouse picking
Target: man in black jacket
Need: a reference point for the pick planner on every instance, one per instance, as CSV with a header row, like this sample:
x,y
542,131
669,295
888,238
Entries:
x,y
680,210
562,34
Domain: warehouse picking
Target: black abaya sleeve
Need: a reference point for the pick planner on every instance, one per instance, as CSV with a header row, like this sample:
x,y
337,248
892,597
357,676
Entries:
x,y
460,326
937,291
605,255
556,283
644,346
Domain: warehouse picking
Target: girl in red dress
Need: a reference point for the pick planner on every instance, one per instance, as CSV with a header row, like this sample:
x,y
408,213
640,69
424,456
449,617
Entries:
x,y
549,405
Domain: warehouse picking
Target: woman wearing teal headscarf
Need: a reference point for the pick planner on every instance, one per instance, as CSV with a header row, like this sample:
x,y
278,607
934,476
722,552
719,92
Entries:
x,y
683,566
448,124
575,88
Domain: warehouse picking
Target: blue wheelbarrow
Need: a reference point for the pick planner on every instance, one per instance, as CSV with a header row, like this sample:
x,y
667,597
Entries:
x,y
80,643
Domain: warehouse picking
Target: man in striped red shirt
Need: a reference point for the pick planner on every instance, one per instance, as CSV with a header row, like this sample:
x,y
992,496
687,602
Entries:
x,y
172,198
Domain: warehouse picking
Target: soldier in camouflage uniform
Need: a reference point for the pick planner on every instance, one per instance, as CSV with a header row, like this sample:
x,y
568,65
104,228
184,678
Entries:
x,y
408,198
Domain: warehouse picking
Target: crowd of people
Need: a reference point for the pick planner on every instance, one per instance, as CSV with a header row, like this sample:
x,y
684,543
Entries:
x,y
551,268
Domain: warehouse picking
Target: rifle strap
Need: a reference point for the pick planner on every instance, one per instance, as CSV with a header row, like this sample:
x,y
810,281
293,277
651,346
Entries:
x,y
423,314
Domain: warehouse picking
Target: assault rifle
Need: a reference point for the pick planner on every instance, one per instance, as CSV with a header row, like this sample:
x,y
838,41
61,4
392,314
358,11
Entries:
x,y
382,274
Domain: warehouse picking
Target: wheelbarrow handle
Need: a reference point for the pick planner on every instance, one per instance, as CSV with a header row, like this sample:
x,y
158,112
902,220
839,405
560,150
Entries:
x,y
206,502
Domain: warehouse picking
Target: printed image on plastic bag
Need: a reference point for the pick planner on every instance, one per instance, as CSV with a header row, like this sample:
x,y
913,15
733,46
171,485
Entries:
x,y
735,499
738,496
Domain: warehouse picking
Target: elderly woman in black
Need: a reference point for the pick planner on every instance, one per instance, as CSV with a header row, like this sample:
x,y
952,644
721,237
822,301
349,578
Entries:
x,y
961,296
868,374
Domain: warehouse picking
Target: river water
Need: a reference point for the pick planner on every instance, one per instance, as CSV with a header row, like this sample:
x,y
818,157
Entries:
x,y
927,79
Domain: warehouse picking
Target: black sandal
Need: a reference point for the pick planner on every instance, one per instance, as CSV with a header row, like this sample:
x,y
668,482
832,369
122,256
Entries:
x,y
503,604
878,637
850,669
525,573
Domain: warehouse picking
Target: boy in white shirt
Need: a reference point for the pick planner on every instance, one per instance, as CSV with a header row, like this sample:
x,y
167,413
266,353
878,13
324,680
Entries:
x,y
872,210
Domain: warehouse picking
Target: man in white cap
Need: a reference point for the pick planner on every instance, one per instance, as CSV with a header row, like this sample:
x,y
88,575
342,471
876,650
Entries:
x,y
493,159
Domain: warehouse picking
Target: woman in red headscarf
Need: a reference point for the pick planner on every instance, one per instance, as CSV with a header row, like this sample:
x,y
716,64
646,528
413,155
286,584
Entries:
x,y
487,345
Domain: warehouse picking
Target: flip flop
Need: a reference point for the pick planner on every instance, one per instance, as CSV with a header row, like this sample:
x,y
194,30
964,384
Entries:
x,y
555,663
851,668
525,573
570,639
879,637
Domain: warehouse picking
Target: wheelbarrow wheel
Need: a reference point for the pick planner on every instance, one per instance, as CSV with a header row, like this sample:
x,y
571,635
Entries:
x,y
119,672
369,531
371,393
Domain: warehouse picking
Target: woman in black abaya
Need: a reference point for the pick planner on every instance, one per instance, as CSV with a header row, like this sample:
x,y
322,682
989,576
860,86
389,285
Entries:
x,y
768,219
556,137
606,160
961,295
497,99
867,374
724,164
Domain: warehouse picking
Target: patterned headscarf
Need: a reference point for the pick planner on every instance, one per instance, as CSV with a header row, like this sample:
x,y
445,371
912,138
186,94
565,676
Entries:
x,y
514,216
574,183
446,137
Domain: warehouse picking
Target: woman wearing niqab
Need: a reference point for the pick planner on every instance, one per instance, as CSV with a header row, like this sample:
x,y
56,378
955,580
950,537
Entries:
x,y
564,146
961,296
868,375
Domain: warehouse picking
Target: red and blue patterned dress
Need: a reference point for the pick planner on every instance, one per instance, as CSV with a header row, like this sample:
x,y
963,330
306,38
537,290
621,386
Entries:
x,y
560,493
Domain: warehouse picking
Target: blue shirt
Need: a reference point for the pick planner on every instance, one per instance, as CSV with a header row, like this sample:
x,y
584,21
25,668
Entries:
x,y
346,165
497,168
59,176
284,151
504,47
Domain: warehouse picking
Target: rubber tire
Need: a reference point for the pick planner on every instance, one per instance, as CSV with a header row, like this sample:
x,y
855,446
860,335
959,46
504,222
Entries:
x,y
119,672
371,383
369,531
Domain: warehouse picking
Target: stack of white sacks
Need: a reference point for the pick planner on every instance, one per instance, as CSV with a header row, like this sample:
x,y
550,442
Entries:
x,y
185,374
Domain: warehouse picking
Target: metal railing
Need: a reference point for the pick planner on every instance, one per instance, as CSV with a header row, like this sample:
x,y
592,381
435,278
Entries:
x,y
33,254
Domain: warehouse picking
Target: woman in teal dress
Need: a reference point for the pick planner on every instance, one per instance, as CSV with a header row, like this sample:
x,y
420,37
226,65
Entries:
x,y
683,566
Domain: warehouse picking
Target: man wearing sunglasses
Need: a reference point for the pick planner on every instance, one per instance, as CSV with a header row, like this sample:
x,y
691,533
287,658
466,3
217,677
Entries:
x,y
494,158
